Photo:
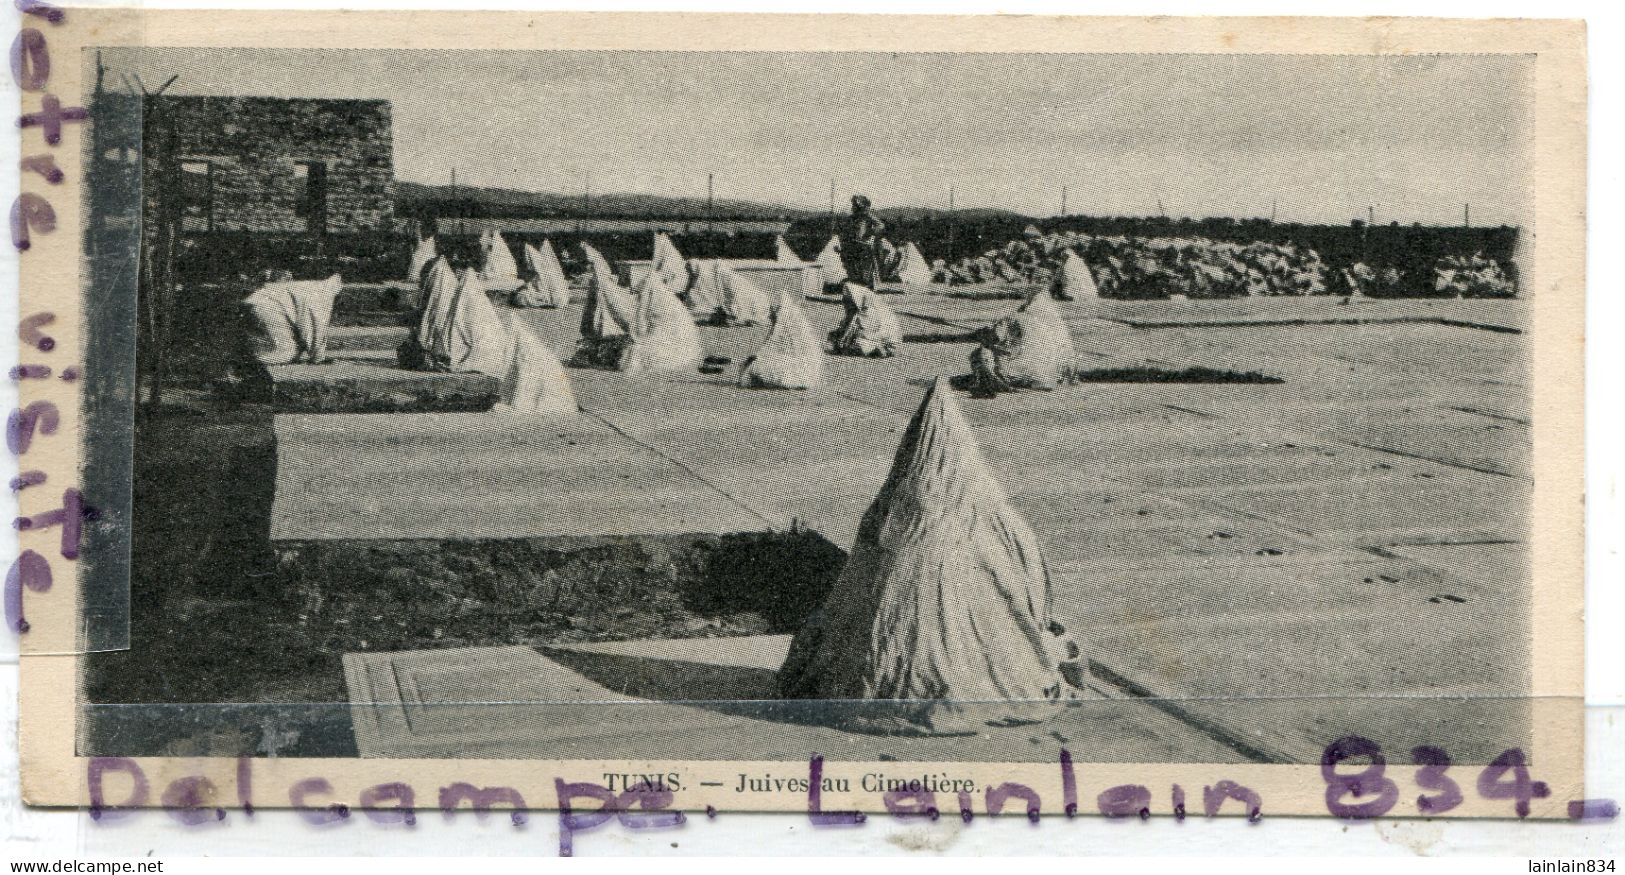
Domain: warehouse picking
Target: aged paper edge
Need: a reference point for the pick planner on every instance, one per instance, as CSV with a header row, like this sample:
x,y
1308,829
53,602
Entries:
x,y
53,775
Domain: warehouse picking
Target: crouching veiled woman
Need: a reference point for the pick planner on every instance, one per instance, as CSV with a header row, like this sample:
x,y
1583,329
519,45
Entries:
x,y
459,331
471,337
663,336
870,328
790,358
1029,349
288,321
536,384
606,318
942,616
545,284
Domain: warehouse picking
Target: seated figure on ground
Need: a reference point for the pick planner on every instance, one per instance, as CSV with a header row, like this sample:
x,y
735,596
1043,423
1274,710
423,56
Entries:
x,y
743,301
436,289
545,285
536,383
782,252
870,328
704,294
831,270
1029,349
669,263
498,270
1074,280
790,358
422,254
663,335
912,267
461,331
606,318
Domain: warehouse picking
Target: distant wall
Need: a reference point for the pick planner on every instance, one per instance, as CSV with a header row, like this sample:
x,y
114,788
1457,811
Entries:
x,y
607,226
255,148
383,256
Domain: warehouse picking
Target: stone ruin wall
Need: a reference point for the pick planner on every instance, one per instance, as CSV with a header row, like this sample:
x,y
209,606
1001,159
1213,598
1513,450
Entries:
x,y
254,144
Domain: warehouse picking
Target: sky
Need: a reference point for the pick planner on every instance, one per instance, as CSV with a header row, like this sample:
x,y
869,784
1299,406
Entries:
x,y
1321,137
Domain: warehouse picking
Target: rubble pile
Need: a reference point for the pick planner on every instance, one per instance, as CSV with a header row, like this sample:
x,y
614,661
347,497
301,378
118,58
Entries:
x,y
1472,276
1198,267
1151,267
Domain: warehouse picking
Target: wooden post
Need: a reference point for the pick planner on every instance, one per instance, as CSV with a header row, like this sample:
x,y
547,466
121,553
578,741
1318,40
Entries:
x,y
158,256
832,219
98,164
461,228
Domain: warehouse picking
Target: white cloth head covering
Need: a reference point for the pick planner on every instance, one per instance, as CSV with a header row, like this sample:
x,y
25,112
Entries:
x,y
545,285
536,383
790,358
664,337
470,337
421,256
291,320
499,271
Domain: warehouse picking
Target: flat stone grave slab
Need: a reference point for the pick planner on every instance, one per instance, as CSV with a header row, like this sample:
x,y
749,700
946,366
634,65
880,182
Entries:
x,y
373,386
1380,512
345,339
372,297
1168,632
1469,441
482,476
635,700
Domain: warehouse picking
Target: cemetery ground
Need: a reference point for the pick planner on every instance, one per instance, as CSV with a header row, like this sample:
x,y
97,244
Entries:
x,y
1253,567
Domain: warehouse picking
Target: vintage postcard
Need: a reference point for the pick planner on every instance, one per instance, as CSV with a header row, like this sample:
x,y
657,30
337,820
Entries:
x,y
650,414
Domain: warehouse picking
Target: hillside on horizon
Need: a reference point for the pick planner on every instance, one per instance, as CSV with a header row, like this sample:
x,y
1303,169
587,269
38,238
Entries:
x,y
468,201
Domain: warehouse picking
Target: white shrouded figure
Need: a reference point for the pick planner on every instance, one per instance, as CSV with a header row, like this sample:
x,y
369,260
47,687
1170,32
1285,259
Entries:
x,y
498,270
438,291
705,294
782,252
912,268
471,337
289,320
1047,322
744,302
943,600
485,245
545,285
831,270
610,305
536,383
1029,349
870,329
790,358
1077,281
421,256
664,337
669,263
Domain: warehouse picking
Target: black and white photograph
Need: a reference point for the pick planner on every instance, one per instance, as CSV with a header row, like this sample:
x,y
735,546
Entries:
x,y
899,407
